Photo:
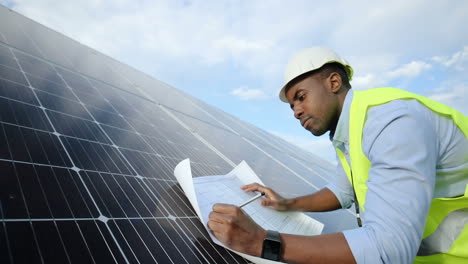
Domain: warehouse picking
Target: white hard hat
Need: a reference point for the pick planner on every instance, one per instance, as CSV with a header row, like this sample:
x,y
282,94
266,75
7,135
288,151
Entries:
x,y
308,60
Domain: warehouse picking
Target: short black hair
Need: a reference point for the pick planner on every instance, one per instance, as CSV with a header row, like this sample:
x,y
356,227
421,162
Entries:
x,y
324,72
329,68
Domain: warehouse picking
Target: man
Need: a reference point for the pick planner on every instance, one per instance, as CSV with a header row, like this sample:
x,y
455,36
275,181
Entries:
x,y
403,161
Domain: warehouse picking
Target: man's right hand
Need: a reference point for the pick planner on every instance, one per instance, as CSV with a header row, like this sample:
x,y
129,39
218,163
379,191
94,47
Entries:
x,y
271,198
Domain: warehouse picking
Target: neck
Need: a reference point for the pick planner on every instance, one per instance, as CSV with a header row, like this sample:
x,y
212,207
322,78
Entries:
x,y
341,98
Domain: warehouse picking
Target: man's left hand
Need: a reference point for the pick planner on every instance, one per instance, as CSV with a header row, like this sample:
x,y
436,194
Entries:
x,y
235,229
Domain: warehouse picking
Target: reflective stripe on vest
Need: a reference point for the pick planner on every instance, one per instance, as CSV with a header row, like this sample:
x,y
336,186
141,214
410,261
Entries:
x,y
440,207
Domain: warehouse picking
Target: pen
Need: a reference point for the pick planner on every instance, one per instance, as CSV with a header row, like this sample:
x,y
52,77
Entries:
x,y
252,199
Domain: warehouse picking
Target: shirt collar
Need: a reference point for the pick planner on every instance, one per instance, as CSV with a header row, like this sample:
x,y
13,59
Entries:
x,y
341,134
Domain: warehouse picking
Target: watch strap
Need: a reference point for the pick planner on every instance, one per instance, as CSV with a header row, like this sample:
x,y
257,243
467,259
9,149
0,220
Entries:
x,y
272,246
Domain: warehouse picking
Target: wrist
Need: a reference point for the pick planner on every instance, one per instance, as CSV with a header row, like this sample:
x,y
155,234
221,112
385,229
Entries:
x,y
259,243
290,204
272,246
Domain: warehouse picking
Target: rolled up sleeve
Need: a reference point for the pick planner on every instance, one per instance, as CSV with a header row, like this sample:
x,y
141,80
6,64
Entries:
x,y
341,187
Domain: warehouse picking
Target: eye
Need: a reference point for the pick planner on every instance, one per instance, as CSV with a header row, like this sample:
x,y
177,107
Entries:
x,y
301,97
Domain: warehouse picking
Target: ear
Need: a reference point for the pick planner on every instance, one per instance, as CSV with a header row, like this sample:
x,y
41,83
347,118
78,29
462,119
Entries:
x,y
334,80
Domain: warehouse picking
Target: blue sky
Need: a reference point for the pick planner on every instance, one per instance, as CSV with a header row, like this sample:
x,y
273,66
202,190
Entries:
x,y
231,54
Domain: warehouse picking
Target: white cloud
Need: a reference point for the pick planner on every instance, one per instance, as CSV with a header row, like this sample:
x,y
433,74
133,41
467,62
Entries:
x,y
367,81
244,93
373,80
400,26
456,60
453,90
199,31
411,69
254,37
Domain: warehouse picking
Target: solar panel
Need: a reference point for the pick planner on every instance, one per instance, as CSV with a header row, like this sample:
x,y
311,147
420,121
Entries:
x,y
87,151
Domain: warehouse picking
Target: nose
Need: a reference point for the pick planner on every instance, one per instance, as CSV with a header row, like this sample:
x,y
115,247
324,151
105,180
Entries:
x,y
298,111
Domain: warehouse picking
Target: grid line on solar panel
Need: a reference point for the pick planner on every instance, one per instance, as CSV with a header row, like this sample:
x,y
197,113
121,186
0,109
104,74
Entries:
x,y
93,156
293,163
176,160
76,82
255,137
114,193
12,81
57,133
76,169
118,88
76,127
96,101
40,101
8,61
66,133
222,140
204,241
295,151
105,132
199,137
116,201
60,241
172,204
140,148
170,225
18,92
60,104
44,183
37,68
30,145
51,88
4,245
19,113
220,126
272,148
12,33
69,193
3,50
42,59
30,252
12,74
287,167
102,219
54,129
140,252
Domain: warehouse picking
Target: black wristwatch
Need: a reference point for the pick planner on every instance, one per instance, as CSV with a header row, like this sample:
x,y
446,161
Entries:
x,y
272,246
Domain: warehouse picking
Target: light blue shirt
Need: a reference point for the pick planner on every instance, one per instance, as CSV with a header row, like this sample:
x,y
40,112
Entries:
x,y
416,155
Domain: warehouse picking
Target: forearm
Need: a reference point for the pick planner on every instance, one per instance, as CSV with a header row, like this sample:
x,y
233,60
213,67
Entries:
x,y
323,200
330,248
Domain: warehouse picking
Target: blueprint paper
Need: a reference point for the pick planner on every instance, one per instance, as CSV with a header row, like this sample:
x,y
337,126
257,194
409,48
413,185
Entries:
x,y
203,192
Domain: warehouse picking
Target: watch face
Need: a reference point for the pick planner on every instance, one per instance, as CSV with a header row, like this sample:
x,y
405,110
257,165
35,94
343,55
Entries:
x,y
271,249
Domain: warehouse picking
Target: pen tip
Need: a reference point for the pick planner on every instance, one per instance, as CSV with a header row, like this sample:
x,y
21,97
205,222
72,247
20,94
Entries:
x,y
263,193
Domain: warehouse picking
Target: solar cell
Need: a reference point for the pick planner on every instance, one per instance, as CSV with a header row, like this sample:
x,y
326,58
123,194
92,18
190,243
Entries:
x,y
87,151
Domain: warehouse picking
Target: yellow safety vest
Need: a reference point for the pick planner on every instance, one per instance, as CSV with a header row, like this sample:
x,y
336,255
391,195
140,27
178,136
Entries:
x,y
440,207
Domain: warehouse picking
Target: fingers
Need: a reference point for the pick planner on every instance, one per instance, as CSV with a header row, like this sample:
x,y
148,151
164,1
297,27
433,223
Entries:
x,y
253,187
269,193
215,226
267,202
224,208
